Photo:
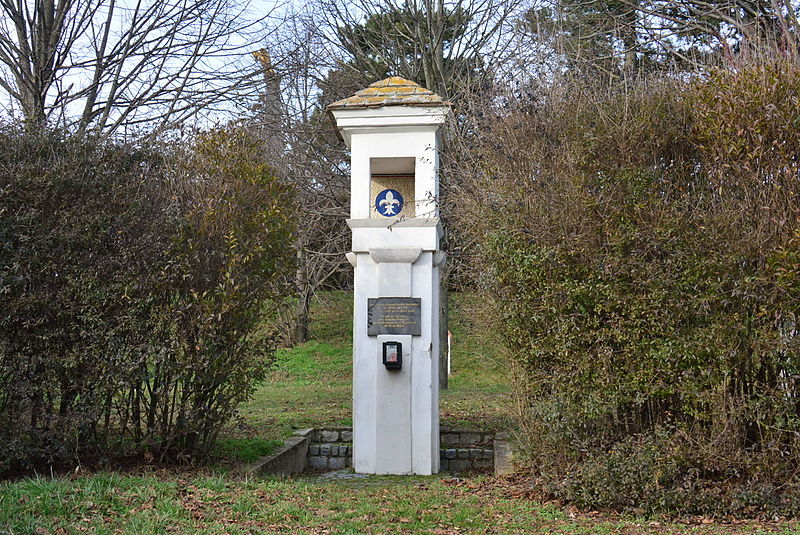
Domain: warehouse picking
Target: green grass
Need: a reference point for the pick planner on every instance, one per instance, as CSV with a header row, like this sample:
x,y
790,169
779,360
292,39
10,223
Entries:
x,y
309,386
314,362
244,449
206,504
478,394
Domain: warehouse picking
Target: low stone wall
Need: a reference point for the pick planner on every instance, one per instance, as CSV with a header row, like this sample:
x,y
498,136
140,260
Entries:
x,y
457,460
454,437
331,448
330,456
465,450
462,450
290,459
332,434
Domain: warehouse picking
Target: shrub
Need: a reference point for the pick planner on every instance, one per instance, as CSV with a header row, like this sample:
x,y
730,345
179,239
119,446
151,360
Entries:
x,y
131,286
640,244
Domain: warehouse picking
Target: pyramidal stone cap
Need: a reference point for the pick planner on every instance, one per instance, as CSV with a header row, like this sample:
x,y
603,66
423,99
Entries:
x,y
393,91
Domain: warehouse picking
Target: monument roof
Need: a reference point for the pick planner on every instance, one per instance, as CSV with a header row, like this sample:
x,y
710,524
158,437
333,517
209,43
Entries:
x,y
393,91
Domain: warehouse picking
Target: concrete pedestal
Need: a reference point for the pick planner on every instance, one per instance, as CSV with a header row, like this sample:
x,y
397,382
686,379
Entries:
x,y
395,412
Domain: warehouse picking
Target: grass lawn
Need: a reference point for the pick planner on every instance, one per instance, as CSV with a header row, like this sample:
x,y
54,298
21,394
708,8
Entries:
x,y
174,502
310,386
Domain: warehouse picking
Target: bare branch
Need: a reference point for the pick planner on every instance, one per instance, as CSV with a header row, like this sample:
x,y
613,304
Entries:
x,y
106,65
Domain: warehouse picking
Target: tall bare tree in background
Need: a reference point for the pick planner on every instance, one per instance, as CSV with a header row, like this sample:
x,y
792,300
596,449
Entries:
x,y
305,153
620,37
448,46
327,50
114,65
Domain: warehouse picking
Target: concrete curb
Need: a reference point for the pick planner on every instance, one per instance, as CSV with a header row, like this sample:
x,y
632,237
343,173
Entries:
x,y
503,460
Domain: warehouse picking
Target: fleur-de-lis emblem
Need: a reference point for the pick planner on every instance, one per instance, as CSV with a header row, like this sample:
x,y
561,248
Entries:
x,y
389,203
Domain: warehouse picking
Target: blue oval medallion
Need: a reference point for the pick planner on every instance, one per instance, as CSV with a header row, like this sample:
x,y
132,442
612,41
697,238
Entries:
x,y
389,203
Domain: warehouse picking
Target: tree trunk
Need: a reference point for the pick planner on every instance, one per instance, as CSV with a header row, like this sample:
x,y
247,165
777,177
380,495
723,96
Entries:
x,y
299,329
630,40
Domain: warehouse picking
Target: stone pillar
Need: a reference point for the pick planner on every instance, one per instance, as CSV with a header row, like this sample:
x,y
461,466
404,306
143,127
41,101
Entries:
x,y
392,129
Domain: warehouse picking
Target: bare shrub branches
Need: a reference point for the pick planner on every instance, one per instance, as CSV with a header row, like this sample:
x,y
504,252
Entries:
x,y
639,240
136,286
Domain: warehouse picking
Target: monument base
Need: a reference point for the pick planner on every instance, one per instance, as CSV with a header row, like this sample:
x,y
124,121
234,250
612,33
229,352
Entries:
x,y
396,409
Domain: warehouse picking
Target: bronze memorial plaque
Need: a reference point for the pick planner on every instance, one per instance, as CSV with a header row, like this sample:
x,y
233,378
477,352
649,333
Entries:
x,y
394,315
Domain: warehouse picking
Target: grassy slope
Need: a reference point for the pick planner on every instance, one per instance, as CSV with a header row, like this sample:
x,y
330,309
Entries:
x,y
310,386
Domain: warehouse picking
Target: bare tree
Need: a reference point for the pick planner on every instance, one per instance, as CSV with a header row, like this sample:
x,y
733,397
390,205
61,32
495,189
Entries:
x,y
730,26
113,65
306,153
618,37
326,51
448,46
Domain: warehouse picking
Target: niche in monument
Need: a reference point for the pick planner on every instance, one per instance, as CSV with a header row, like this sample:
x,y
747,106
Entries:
x,y
392,188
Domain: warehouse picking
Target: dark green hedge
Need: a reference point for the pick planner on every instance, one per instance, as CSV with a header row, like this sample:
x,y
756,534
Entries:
x,y
132,284
641,245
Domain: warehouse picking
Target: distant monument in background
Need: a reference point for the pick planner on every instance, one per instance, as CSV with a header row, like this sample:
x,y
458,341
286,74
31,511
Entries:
x,y
392,129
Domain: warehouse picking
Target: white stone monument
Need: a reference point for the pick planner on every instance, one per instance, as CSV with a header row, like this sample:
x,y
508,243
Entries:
x,y
392,129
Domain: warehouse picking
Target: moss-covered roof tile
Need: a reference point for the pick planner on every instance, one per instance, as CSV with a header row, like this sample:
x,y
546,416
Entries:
x,y
393,91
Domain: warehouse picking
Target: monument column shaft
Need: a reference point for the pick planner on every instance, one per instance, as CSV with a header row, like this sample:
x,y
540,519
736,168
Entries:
x,y
397,431
393,444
